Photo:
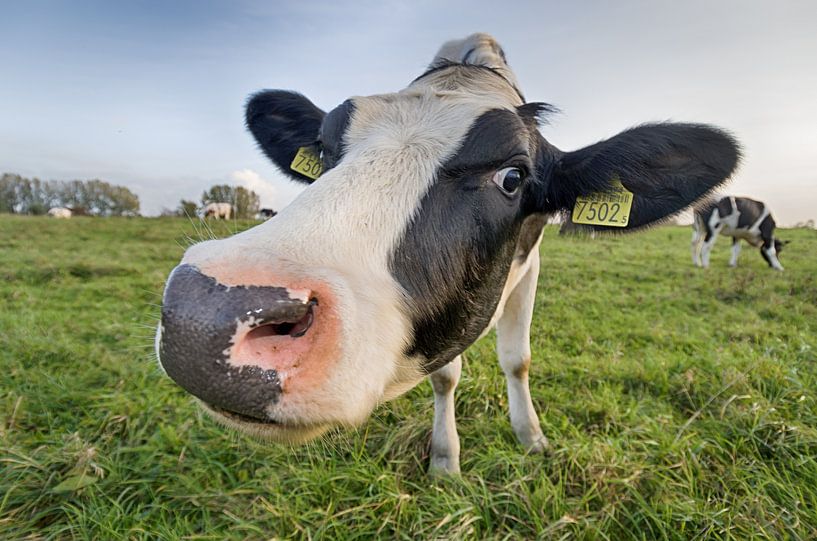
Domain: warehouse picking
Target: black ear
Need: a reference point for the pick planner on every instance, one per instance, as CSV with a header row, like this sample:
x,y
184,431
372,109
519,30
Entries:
x,y
666,166
282,122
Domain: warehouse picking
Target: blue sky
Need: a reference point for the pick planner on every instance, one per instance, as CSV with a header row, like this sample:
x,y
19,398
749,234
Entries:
x,y
151,94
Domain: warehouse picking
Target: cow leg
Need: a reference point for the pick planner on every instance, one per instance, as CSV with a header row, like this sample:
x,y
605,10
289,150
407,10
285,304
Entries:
x,y
770,254
709,242
697,239
768,250
733,261
513,348
445,443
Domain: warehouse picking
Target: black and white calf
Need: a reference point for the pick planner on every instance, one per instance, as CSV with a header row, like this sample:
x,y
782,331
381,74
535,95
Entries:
x,y
421,234
265,214
739,218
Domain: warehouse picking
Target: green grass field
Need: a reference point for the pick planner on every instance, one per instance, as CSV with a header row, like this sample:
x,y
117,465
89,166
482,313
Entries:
x,y
680,404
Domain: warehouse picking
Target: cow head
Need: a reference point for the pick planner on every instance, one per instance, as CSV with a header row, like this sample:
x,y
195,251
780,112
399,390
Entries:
x,y
393,261
778,247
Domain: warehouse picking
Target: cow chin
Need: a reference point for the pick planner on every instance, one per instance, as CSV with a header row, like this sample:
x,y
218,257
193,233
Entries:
x,y
300,419
296,434
266,431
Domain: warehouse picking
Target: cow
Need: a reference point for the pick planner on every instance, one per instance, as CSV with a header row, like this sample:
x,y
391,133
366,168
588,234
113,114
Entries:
x,y
421,233
265,214
217,210
739,218
60,212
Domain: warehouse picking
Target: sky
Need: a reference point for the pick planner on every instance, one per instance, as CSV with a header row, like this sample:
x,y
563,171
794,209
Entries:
x,y
150,95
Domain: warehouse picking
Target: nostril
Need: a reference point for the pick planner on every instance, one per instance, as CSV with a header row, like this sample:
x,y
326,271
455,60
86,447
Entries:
x,y
300,328
295,329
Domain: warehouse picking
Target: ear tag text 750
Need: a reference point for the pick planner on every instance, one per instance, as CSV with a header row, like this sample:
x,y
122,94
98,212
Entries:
x,y
307,163
611,209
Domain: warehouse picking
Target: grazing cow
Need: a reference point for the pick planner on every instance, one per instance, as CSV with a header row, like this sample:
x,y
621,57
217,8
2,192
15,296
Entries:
x,y
217,210
739,218
59,212
421,234
265,214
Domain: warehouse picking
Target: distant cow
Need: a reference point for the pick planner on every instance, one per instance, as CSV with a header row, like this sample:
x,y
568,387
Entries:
x,y
739,218
265,214
217,210
59,212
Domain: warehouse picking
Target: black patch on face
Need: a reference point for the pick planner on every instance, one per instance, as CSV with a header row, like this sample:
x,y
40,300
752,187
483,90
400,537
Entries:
x,y
332,131
454,258
199,318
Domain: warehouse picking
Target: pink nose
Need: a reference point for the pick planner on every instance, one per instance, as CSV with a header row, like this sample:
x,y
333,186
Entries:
x,y
274,345
237,347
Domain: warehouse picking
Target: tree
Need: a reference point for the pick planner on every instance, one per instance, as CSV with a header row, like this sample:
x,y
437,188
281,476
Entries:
x,y
186,208
34,196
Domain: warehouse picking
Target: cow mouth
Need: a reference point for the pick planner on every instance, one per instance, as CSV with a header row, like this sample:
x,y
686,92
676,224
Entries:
x,y
269,429
239,417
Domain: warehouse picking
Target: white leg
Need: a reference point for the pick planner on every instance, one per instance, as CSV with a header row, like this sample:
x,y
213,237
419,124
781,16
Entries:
x,y
513,348
697,239
445,443
707,247
771,253
733,261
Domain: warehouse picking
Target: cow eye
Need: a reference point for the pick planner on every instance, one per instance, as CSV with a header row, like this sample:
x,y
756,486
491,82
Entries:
x,y
509,179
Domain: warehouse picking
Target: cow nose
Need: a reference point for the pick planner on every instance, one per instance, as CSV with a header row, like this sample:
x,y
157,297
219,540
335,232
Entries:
x,y
203,324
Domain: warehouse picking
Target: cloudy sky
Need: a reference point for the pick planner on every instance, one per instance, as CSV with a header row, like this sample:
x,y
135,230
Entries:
x,y
151,94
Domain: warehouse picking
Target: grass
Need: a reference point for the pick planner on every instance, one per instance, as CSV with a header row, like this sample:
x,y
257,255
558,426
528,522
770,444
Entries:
x,y
680,404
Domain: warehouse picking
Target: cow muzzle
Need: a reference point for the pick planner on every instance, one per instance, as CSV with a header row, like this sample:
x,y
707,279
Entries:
x,y
236,348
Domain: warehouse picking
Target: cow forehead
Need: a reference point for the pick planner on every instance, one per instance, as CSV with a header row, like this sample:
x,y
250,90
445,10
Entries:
x,y
421,121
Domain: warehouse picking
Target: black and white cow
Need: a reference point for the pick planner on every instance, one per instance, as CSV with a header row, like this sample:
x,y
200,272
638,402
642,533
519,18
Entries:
x,y
421,234
739,218
217,210
265,214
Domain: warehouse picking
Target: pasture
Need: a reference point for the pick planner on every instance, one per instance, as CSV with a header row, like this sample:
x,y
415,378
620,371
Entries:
x,y
680,404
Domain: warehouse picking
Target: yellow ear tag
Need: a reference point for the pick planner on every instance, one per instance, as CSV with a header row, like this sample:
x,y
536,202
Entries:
x,y
611,209
307,163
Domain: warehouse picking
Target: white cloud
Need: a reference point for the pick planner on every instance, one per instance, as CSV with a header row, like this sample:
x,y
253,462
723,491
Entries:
x,y
274,194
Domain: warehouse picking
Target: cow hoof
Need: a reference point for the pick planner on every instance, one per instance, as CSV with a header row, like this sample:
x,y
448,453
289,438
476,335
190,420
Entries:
x,y
539,446
444,466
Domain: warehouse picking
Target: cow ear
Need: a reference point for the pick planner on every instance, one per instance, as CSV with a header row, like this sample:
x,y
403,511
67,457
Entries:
x,y
666,166
282,122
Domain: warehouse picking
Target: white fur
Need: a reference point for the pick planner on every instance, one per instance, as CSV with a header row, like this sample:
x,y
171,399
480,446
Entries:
x,y
733,260
60,212
445,443
513,348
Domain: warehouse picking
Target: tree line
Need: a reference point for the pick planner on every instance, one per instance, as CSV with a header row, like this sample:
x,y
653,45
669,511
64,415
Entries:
x,y
19,195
